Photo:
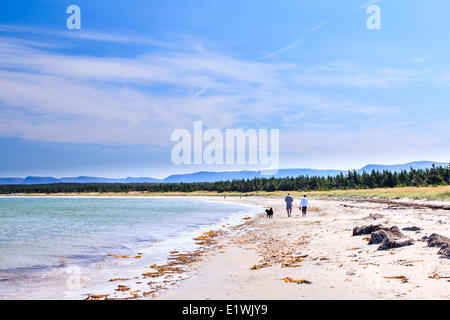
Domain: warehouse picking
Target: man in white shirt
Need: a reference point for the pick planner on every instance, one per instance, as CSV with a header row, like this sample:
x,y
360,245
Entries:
x,y
289,201
304,205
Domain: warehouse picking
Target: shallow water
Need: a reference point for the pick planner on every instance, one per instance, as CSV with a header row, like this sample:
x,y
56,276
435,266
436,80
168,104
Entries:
x,y
42,233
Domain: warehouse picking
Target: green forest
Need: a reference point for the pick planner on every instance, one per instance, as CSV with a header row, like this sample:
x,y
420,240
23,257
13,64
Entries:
x,y
351,180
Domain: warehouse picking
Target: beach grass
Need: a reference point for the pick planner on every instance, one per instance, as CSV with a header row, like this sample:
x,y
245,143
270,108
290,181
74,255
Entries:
x,y
431,193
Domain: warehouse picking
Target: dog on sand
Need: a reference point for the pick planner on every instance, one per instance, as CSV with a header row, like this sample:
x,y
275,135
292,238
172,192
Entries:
x,y
269,213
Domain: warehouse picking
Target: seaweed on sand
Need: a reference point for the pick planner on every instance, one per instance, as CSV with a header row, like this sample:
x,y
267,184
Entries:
x,y
388,238
441,242
290,280
358,231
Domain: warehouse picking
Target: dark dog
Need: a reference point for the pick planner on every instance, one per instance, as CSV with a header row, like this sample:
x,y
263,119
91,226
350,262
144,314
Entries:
x,y
269,213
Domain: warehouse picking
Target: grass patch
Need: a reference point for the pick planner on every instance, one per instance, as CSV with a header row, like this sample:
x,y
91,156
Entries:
x,y
432,193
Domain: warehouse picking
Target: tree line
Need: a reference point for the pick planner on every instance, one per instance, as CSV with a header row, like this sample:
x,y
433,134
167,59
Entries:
x,y
351,180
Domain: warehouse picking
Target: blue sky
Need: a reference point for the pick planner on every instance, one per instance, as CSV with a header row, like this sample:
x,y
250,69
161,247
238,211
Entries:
x,y
104,100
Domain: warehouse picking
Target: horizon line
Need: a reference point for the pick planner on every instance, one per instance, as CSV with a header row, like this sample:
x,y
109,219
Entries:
x,y
221,171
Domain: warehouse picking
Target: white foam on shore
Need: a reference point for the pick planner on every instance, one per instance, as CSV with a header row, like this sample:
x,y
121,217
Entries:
x,y
75,282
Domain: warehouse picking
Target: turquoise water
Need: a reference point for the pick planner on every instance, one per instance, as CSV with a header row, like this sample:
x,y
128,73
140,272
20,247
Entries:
x,y
41,233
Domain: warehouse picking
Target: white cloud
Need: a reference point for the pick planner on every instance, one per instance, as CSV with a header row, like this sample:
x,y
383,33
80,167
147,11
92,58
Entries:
x,y
419,59
86,35
58,97
295,43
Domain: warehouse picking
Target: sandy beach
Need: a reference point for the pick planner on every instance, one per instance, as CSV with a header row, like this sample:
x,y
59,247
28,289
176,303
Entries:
x,y
326,254
317,256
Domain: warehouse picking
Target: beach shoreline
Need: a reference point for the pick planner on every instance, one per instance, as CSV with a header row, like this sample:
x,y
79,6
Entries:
x,y
312,257
115,269
317,257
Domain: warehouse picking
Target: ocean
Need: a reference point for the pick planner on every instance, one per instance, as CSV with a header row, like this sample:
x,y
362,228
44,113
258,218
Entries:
x,y
43,237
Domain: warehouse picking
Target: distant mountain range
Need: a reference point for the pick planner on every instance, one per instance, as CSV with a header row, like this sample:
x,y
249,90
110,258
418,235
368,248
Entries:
x,y
205,176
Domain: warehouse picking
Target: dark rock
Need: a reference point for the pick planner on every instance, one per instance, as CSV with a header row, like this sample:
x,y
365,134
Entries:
x,y
445,251
436,240
413,228
440,242
357,231
395,231
389,243
389,238
380,235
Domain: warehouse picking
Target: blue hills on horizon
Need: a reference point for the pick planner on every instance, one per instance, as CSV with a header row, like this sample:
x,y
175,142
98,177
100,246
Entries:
x,y
210,176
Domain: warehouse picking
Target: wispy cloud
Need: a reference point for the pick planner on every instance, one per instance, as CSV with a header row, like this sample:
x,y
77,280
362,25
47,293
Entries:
x,y
55,97
361,75
295,43
85,35
419,59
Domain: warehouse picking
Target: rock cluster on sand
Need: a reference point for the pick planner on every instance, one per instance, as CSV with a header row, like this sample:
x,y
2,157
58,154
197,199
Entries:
x,y
441,242
382,233
413,228
358,231
388,238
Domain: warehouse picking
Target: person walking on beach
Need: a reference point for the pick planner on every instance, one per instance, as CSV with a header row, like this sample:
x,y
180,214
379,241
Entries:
x,y
289,201
304,205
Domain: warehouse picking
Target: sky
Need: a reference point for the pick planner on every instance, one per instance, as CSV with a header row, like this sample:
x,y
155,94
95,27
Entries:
x,y
104,100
